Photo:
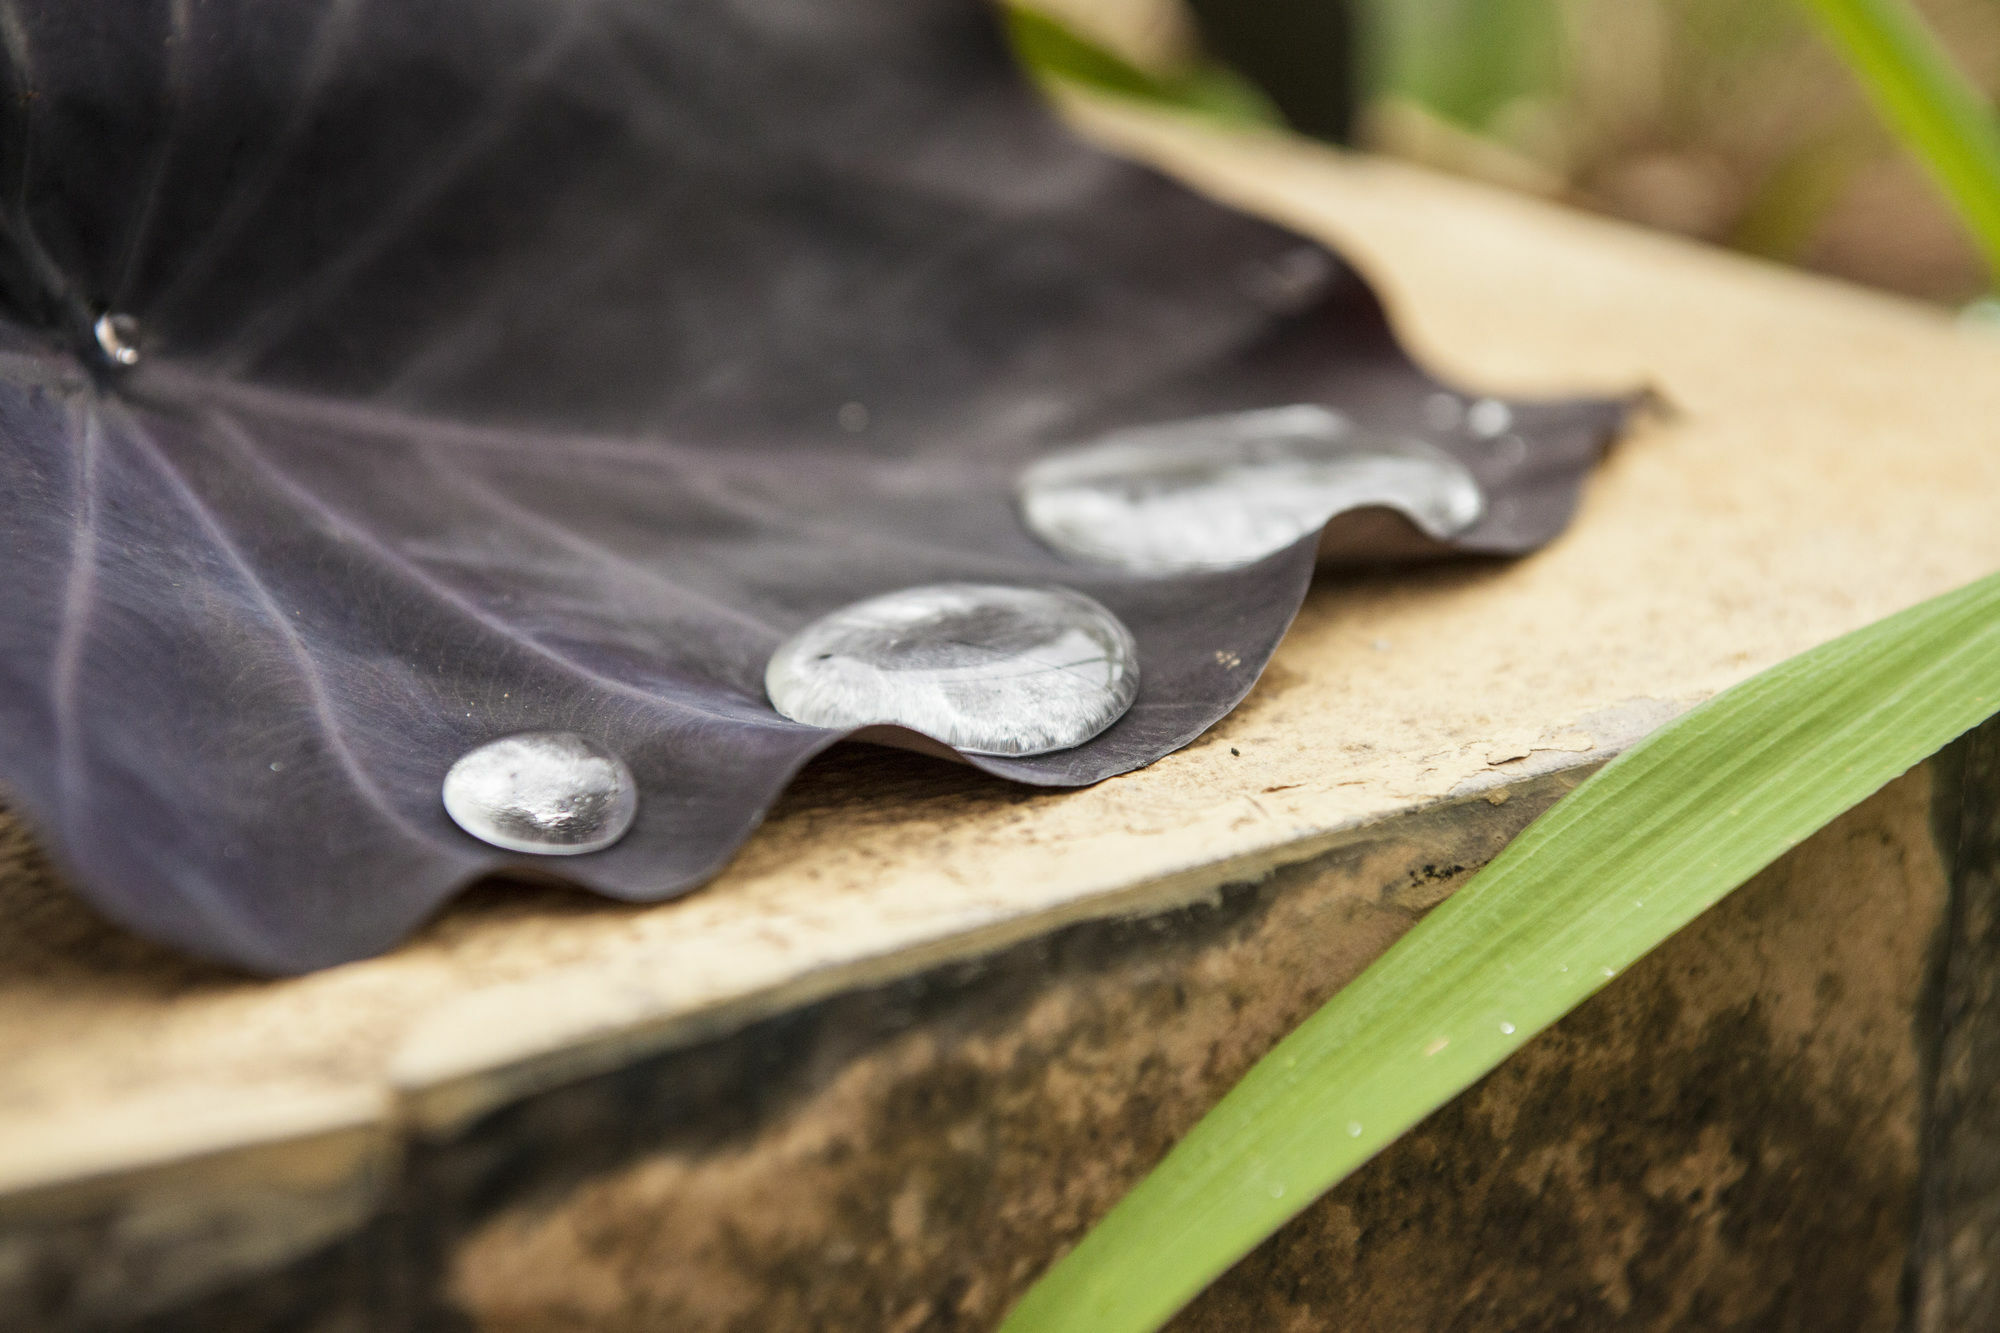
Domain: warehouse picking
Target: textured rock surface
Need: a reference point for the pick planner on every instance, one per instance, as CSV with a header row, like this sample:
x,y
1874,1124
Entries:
x,y
1726,1138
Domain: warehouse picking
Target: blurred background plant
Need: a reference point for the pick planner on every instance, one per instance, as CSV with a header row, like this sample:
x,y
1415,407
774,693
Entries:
x,y
1727,120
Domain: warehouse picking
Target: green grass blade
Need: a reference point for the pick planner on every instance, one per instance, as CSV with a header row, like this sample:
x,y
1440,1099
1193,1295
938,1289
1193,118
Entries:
x,y
1635,853
1928,102
1055,51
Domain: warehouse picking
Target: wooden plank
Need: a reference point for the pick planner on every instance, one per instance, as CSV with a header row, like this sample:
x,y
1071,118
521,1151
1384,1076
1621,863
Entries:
x,y
1828,460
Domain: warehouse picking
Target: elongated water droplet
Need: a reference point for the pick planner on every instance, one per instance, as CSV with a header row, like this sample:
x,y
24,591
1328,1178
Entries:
x,y
118,338
1489,417
986,668
549,792
1507,1029
1223,491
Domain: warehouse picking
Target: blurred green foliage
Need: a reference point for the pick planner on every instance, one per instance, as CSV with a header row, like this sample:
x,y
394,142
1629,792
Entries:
x,y
1052,49
1467,60
1924,96
1726,120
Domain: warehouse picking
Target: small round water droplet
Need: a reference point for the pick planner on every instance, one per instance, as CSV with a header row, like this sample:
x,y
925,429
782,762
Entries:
x,y
985,668
1444,411
1223,491
1277,1191
1507,1028
549,792
118,338
1489,417
1608,971
1354,1129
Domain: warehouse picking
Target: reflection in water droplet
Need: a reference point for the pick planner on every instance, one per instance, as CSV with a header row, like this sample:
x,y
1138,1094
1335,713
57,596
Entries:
x,y
1354,1129
988,669
1489,417
1277,1191
1507,1028
118,338
1223,491
549,792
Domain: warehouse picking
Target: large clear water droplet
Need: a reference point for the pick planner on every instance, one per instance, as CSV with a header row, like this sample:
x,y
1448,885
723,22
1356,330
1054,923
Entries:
x,y
1222,491
118,338
553,793
984,668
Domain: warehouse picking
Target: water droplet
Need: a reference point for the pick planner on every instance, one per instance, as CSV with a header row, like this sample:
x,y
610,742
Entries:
x,y
1489,417
1277,1191
1507,1028
1437,1045
1222,491
1608,971
118,338
1563,967
277,765
1354,1129
1444,411
988,669
550,792
853,417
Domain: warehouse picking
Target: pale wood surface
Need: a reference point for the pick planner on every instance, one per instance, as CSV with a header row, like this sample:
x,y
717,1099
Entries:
x,y
1832,458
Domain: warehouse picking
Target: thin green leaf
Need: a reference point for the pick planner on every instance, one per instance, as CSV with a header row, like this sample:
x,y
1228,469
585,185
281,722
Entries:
x,y
1054,51
1936,110
1634,854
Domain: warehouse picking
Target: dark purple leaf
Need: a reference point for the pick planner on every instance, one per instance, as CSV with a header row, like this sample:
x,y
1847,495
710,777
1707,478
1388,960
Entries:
x,y
494,358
